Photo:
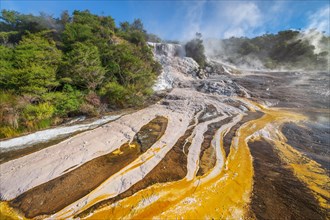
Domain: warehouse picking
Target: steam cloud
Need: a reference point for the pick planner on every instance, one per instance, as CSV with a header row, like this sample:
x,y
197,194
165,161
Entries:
x,y
250,19
227,19
318,23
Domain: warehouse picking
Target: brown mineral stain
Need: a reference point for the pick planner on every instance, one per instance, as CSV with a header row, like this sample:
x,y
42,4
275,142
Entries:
x,y
165,193
54,195
171,168
208,153
231,134
275,183
224,196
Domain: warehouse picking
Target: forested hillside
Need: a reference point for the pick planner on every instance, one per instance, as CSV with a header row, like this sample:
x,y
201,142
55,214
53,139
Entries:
x,y
287,49
53,68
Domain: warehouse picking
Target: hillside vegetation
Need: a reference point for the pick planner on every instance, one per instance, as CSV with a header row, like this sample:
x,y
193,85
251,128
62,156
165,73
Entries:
x,y
54,68
195,49
287,49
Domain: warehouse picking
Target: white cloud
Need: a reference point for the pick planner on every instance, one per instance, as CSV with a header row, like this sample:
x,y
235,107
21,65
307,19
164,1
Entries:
x,y
320,20
227,19
244,13
318,23
193,19
234,32
224,19
242,17
278,6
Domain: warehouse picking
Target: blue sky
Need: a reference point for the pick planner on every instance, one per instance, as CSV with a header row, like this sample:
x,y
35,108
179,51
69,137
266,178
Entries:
x,y
182,19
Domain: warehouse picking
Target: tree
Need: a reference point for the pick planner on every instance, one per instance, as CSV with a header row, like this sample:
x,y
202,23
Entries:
x,y
137,38
124,26
39,86
35,61
65,18
195,49
106,28
9,19
84,66
35,115
127,65
6,38
13,20
137,25
76,33
130,74
247,47
6,66
6,57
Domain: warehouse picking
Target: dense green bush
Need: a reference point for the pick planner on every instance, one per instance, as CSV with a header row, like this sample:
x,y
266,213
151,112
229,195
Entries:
x,y
38,116
66,101
114,93
36,63
52,68
76,33
83,66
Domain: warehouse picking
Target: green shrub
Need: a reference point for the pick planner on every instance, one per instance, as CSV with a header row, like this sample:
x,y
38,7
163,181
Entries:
x,y
88,109
8,132
9,109
65,102
114,93
34,115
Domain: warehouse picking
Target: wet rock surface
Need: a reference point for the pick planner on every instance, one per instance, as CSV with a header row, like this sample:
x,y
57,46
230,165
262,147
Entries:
x,y
54,195
171,168
221,87
178,155
288,89
277,193
228,138
312,139
17,153
208,153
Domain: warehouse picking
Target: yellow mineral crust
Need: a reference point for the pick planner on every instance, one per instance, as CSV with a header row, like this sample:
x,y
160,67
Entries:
x,y
8,213
224,196
307,170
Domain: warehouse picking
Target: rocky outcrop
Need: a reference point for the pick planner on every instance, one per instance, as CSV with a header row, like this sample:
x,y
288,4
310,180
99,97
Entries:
x,y
224,87
181,71
176,67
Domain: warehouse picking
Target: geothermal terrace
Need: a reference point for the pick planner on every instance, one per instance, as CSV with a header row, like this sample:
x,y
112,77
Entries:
x,y
218,145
